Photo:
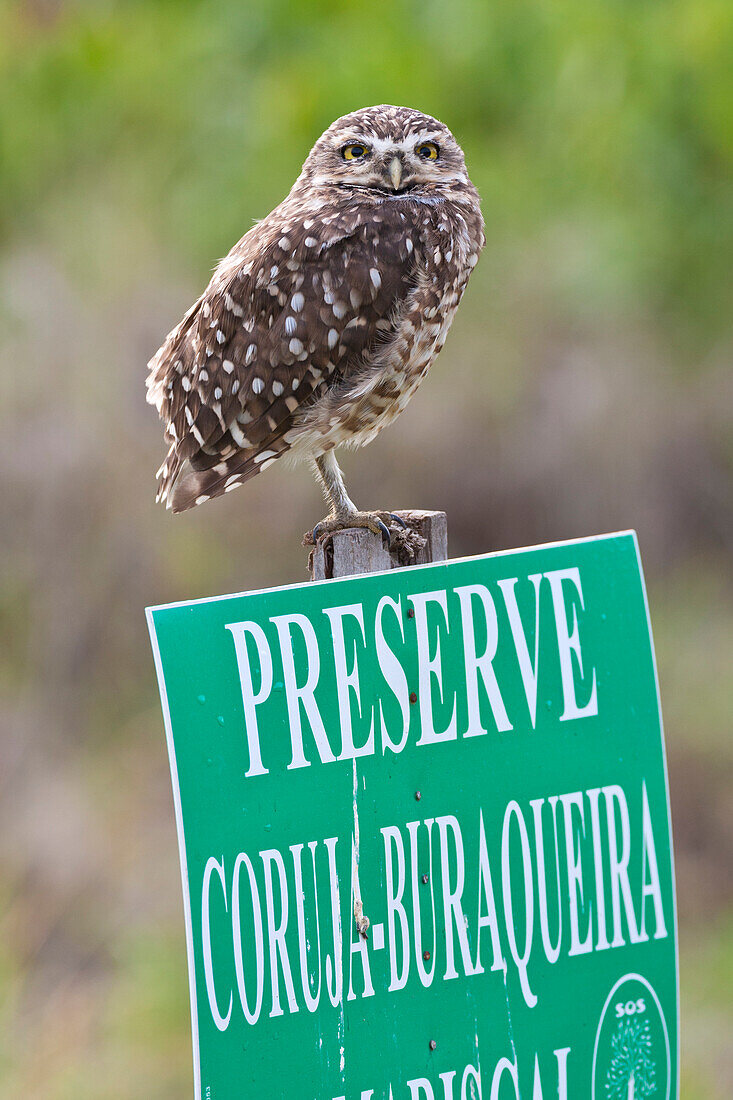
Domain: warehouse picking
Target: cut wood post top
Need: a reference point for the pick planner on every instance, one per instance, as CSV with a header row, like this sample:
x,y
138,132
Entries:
x,y
357,550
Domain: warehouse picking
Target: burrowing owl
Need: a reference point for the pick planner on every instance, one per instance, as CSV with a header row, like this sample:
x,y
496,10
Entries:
x,y
320,324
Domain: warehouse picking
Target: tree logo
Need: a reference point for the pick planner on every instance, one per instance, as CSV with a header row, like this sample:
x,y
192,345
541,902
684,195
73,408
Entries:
x,y
631,1073
631,1057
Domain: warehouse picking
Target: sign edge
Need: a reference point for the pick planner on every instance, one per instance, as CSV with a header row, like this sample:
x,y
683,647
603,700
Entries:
x,y
642,581
627,533
183,860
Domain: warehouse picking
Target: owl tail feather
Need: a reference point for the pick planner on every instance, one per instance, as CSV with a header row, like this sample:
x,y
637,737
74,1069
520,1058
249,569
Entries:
x,y
167,475
196,486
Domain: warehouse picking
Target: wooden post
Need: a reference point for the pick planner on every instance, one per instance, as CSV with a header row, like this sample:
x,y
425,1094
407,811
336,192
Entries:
x,y
357,550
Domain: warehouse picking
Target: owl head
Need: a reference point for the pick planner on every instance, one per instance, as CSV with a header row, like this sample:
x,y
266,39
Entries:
x,y
390,150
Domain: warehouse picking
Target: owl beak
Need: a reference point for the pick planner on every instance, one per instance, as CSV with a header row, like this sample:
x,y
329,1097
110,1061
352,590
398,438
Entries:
x,y
395,172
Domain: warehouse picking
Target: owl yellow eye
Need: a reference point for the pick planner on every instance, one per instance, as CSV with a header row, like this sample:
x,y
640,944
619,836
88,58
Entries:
x,y
428,150
354,152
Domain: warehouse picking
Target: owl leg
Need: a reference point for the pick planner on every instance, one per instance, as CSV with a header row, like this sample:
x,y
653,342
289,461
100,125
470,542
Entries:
x,y
344,512
332,480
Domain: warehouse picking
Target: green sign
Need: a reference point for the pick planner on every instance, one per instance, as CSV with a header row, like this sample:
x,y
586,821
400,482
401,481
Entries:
x,y
424,832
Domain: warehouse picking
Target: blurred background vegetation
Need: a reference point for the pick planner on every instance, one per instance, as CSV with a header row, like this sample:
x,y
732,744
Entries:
x,y
585,387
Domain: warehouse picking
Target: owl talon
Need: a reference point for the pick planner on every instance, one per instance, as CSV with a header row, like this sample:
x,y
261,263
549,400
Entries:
x,y
385,533
373,521
399,519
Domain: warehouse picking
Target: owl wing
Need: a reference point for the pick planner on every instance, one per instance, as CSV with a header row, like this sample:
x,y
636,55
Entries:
x,y
296,306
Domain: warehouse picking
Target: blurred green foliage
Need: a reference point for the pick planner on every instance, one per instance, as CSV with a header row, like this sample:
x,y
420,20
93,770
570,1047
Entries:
x,y
614,115
586,386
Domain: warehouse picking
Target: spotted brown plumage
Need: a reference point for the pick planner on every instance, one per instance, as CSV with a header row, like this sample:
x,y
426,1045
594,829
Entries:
x,y
321,322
